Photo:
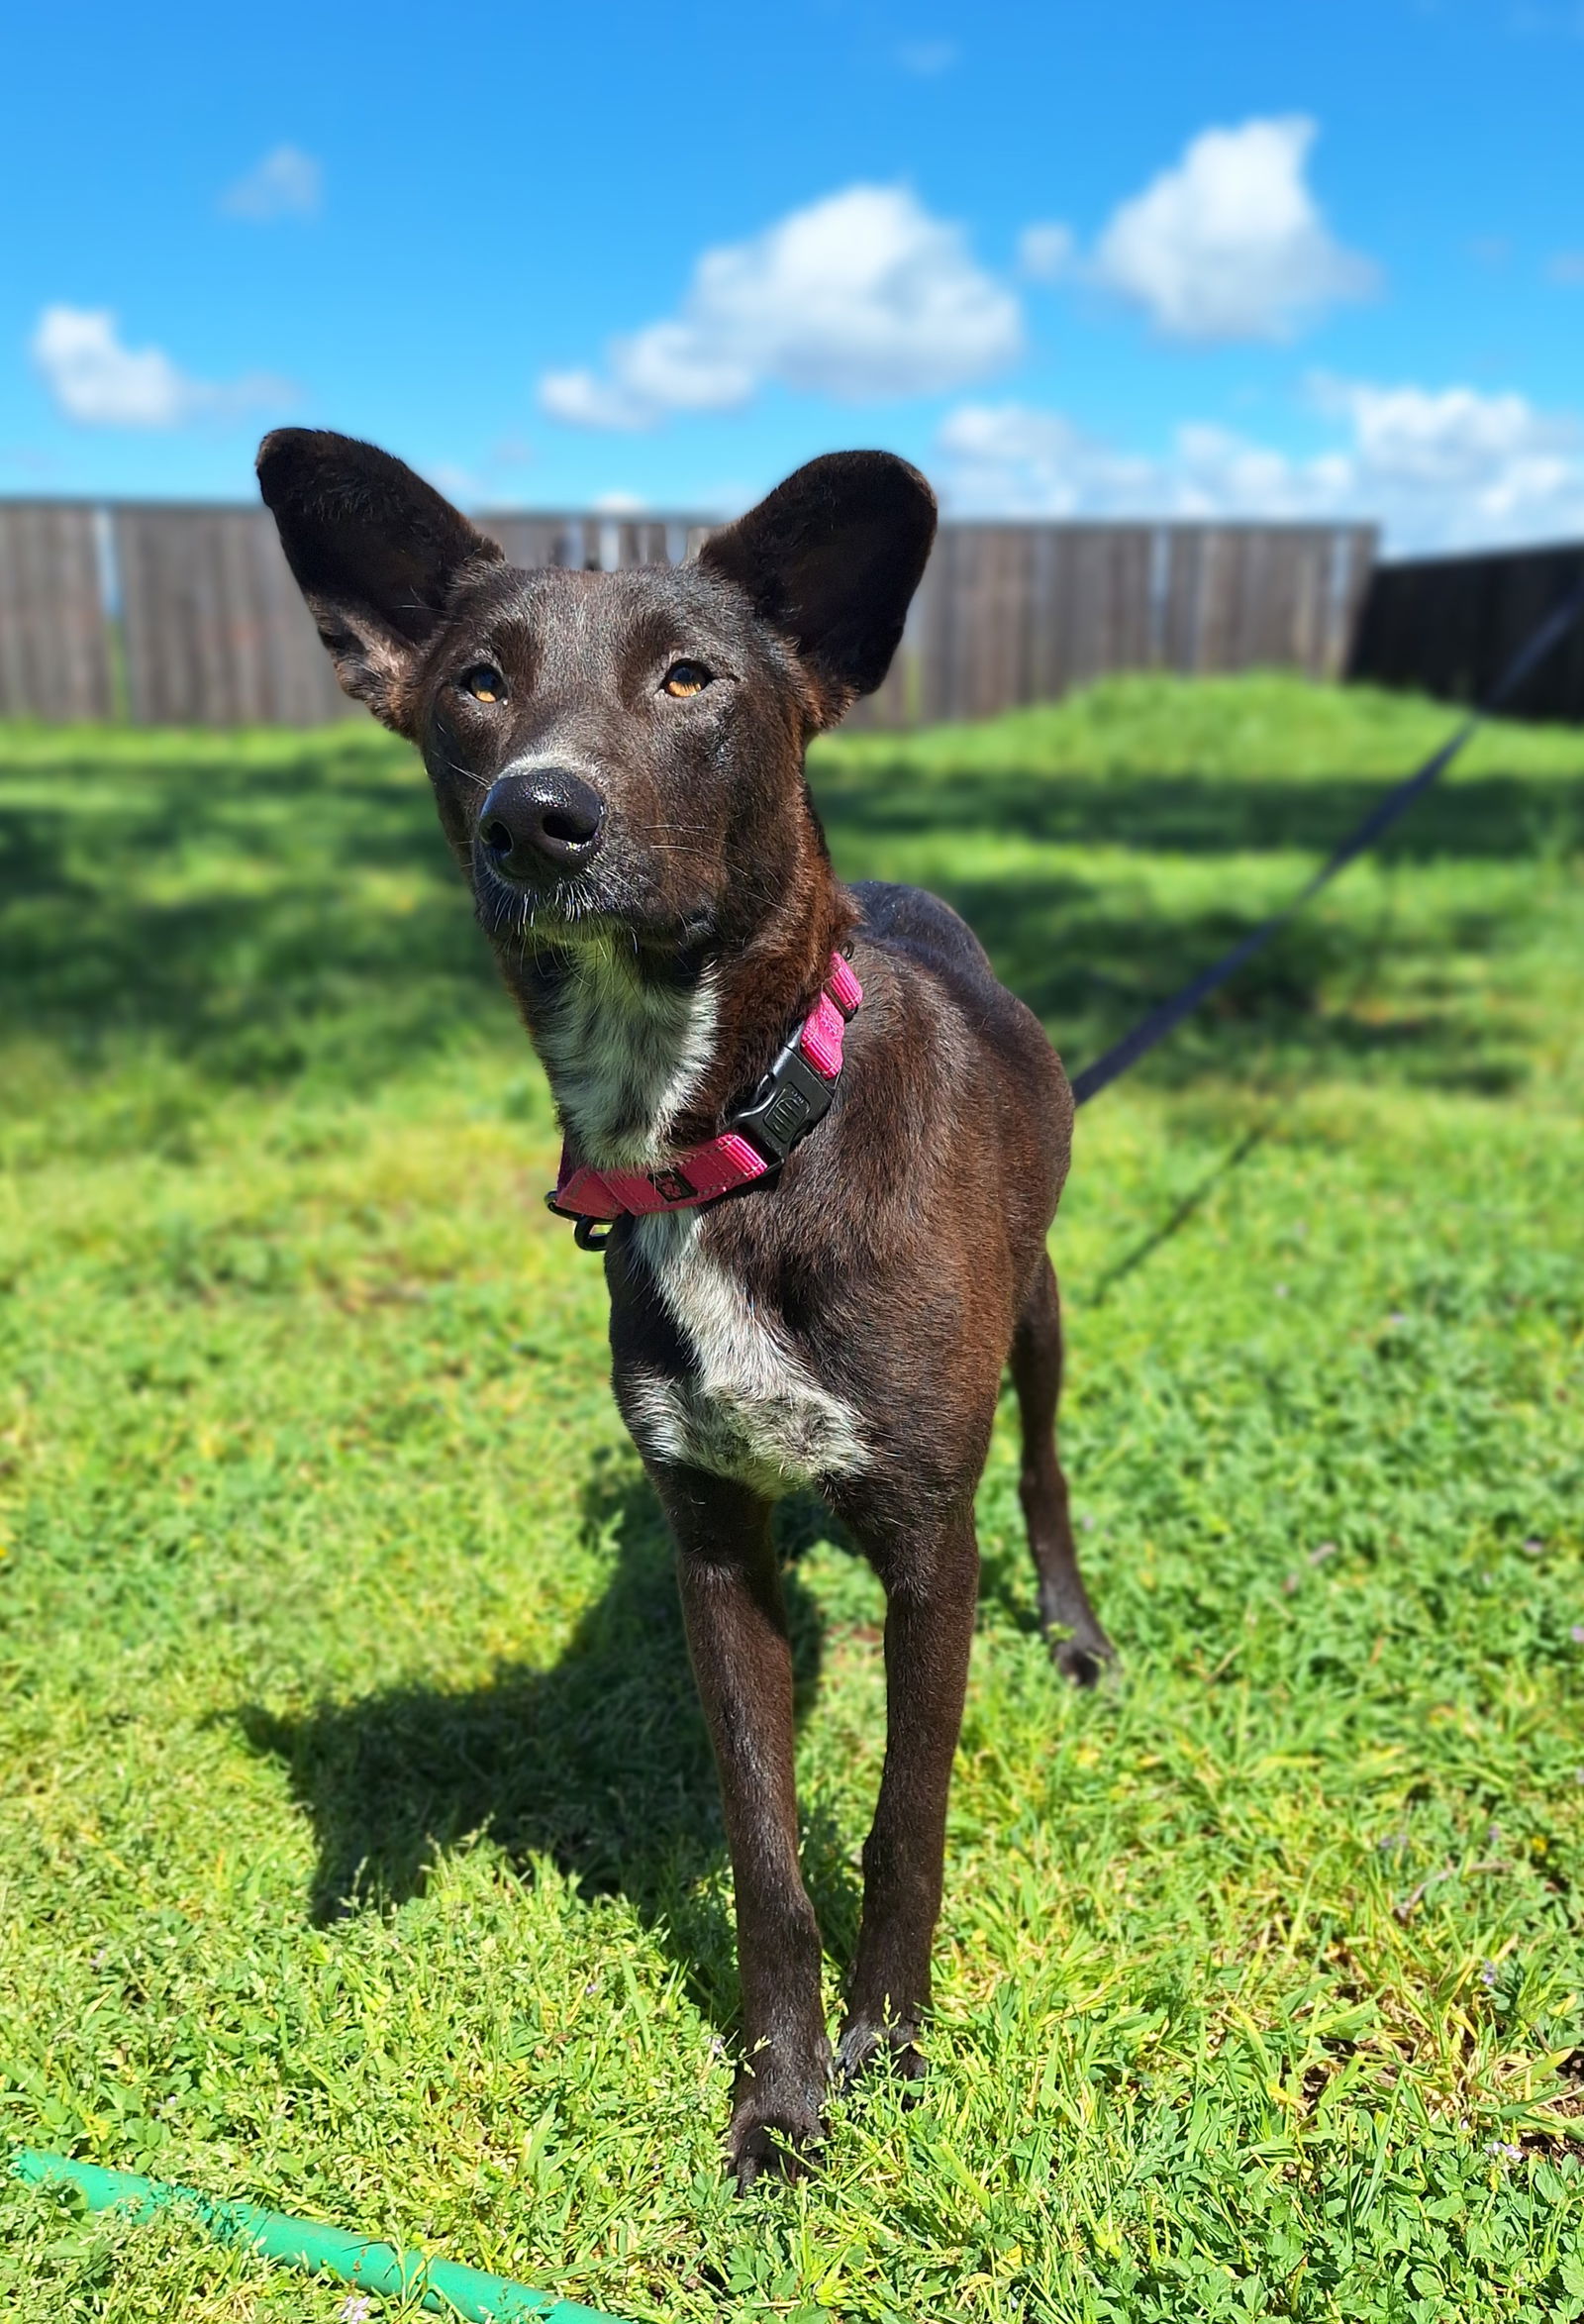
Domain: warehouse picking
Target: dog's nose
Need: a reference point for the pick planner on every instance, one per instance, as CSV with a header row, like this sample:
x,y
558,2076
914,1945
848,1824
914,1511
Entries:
x,y
545,820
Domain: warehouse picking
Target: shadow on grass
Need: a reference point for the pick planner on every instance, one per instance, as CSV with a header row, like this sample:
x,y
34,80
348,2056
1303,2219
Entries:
x,y
1496,815
1089,965
1090,970
301,915
252,922
600,1763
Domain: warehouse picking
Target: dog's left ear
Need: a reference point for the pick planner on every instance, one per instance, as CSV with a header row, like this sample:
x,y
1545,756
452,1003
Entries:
x,y
832,558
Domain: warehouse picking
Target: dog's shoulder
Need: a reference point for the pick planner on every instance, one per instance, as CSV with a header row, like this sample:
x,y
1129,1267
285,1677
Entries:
x,y
909,920
935,953
954,1059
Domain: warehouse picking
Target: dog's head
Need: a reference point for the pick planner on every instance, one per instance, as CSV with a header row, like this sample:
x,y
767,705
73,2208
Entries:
x,y
608,750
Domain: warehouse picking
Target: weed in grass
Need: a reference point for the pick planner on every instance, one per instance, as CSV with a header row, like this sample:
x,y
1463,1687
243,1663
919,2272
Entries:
x,y
358,1848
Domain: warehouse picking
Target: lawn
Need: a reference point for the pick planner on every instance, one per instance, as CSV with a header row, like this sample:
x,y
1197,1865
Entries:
x,y
359,1842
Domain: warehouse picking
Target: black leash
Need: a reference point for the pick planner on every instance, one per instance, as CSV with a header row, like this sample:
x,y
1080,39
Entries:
x,y
1170,1014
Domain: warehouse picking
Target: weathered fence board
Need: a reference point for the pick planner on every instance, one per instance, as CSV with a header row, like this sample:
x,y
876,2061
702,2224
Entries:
x,y
215,633
55,635
537,539
595,542
1449,625
1007,614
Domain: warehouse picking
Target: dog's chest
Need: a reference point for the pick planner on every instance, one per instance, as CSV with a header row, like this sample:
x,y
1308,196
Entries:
x,y
625,1054
749,1407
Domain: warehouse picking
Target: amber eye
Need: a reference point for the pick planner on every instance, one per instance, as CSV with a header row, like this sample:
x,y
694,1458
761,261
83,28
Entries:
x,y
483,682
684,678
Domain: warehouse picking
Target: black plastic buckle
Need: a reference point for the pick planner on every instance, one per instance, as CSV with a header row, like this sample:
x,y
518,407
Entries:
x,y
790,1099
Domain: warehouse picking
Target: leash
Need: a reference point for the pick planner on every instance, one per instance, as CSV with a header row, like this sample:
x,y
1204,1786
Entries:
x,y
1169,1014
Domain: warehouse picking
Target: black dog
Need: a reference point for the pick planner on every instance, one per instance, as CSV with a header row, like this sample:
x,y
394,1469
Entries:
x,y
830,1142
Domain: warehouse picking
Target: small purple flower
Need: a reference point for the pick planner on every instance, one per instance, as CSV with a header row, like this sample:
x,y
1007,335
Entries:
x,y
1505,2148
357,2310
1534,1548
1487,1974
1576,1634
1396,1316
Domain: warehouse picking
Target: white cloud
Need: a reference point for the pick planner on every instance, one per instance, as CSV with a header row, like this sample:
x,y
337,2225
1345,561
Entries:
x,y
584,400
286,183
1010,459
1491,463
1047,252
859,296
1438,468
97,380
1230,244
1567,267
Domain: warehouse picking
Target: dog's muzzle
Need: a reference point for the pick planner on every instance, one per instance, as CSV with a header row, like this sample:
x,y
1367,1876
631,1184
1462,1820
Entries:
x,y
541,824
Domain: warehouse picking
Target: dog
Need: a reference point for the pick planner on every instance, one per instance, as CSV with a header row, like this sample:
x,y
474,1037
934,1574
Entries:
x,y
819,1143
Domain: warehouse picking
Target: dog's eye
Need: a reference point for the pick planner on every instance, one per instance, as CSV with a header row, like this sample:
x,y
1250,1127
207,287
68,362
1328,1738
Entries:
x,y
483,682
684,678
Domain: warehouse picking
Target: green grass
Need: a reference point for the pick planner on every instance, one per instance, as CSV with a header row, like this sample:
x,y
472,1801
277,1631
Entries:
x,y
358,1845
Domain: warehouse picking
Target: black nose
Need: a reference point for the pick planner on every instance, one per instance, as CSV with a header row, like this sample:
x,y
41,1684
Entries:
x,y
542,820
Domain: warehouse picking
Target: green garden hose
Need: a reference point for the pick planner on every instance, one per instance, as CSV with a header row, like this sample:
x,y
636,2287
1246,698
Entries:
x,y
439,2284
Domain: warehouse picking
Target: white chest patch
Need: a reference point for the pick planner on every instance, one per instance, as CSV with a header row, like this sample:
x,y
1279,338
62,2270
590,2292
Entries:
x,y
625,1054
753,1411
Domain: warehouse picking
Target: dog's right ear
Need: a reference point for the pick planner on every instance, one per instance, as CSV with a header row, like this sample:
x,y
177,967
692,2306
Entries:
x,y
376,553
831,559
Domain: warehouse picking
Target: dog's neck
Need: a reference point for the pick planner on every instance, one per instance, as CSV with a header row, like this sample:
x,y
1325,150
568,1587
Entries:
x,y
646,1055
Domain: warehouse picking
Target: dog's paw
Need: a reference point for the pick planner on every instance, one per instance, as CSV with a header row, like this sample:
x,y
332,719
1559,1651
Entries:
x,y
1083,1661
770,2141
866,2047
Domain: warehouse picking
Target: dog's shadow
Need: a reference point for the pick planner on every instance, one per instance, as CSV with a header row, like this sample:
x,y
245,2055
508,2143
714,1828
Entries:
x,y
600,1761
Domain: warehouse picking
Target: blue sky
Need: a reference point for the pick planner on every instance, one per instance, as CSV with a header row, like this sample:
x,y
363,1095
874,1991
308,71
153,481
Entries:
x,y
1101,260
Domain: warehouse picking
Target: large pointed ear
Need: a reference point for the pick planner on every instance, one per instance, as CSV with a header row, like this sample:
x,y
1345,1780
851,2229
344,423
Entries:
x,y
376,553
831,559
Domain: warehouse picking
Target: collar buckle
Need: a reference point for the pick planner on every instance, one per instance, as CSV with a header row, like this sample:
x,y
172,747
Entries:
x,y
790,1099
755,1140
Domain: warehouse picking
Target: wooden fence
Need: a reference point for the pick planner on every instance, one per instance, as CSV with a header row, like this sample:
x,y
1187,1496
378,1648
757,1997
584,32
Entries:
x,y
55,637
1449,625
187,616
1007,614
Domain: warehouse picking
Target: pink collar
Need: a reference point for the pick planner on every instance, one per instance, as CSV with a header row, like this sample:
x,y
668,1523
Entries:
x,y
794,1094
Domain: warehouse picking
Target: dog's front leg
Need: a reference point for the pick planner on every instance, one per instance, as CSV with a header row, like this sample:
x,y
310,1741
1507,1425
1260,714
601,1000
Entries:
x,y
931,1592
737,1638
